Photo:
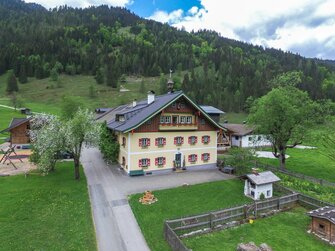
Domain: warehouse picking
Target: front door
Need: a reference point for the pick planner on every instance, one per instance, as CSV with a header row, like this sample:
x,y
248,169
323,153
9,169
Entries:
x,y
178,160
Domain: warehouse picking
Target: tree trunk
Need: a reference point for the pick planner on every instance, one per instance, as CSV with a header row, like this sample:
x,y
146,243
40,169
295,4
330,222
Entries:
x,y
282,159
76,168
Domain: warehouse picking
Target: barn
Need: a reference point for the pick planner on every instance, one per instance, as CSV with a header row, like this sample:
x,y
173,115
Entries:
x,y
323,223
19,131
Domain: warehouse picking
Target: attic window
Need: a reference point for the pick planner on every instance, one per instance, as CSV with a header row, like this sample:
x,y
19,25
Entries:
x,y
120,118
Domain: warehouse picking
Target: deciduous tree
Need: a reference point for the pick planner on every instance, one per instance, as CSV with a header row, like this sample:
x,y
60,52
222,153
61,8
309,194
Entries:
x,y
283,114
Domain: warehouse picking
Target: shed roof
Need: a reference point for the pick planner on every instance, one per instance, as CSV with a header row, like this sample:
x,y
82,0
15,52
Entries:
x,y
263,178
143,111
15,123
326,212
211,109
238,129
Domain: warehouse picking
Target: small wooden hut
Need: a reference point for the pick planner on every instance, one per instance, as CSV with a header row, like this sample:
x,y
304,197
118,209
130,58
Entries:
x,y
19,131
323,223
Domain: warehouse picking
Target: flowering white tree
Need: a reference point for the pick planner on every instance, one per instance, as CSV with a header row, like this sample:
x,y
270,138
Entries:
x,y
47,141
79,130
50,135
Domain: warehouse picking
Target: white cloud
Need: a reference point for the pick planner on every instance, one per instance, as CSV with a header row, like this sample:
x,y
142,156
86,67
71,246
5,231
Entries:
x,y
79,3
289,24
164,17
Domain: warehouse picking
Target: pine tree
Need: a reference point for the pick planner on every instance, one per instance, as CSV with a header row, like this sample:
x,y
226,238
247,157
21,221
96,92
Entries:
x,y
23,74
100,76
12,83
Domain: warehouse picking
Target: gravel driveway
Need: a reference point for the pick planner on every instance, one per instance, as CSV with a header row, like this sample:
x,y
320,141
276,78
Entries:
x,y
115,224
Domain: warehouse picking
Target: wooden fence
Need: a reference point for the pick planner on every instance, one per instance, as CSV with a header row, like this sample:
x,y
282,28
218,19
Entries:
x,y
174,230
314,180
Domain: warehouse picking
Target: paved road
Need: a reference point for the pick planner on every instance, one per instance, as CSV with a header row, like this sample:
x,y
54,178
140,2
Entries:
x,y
115,223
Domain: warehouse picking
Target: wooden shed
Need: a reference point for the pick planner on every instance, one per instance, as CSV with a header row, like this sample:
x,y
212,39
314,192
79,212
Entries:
x,y
323,223
19,131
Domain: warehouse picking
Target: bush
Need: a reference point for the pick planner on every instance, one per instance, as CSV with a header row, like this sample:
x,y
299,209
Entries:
x,y
108,145
262,196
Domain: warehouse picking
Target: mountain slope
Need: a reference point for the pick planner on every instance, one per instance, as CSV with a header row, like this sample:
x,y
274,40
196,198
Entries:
x,y
114,41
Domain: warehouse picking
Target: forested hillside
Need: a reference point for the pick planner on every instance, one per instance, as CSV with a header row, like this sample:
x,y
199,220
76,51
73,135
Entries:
x,y
109,42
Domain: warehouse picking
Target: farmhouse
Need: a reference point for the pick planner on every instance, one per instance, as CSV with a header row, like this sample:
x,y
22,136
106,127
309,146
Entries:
x,y
323,223
260,183
163,133
241,135
19,131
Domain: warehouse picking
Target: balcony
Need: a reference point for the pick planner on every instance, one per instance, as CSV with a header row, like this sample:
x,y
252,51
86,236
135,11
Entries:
x,y
178,127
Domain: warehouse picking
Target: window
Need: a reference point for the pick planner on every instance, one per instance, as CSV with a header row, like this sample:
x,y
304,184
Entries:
x,y
206,139
250,139
205,156
160,161
268,193
178,140
123,161
123,141
189,120
121,118
236,137
28,127
144,142
160,141
182,119
165,119
192,140
175,119
259,138
174,105
252,185
321,227
202,121
192,158
144,162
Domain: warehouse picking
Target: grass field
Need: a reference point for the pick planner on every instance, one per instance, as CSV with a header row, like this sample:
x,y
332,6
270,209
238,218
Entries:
x,y
285,231
44,95
183,201
46,212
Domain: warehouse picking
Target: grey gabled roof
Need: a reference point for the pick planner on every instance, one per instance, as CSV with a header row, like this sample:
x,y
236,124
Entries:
x,y
238,129
327,213
15,123
211,109
263,178
143,112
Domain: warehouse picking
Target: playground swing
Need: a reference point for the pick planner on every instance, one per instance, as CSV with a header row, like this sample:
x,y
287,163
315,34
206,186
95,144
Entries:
x,y
7,156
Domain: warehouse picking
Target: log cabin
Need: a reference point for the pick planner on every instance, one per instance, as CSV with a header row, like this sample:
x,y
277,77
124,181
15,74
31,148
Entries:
x,y
19,131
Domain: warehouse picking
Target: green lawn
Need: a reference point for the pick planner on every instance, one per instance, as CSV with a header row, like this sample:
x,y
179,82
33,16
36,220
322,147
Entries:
x,y
46,212
234,118
183,201
285,231
310,162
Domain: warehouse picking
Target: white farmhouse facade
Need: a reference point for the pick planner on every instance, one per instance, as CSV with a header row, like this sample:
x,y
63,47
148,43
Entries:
x,y
242,136
257,184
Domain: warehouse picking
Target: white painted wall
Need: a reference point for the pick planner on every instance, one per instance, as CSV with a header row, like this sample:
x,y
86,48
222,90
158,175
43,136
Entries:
x,y
254,141
258,190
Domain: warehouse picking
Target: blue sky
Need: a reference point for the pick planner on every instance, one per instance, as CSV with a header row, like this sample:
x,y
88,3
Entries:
x,y
306,27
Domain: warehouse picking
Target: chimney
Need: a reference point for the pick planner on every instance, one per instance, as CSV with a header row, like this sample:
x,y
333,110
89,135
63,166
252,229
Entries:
x,y
134,102
151,97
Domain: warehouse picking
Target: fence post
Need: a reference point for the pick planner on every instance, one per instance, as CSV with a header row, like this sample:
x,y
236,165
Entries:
x,y
211,219
278,203
255,212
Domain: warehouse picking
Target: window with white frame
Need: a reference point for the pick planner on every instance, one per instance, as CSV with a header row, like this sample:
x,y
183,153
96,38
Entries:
x,y
160,141
145,162
178,140
192,158
165,119
182,119
124,141
188,119
206,139
192,140
160,161
144,142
